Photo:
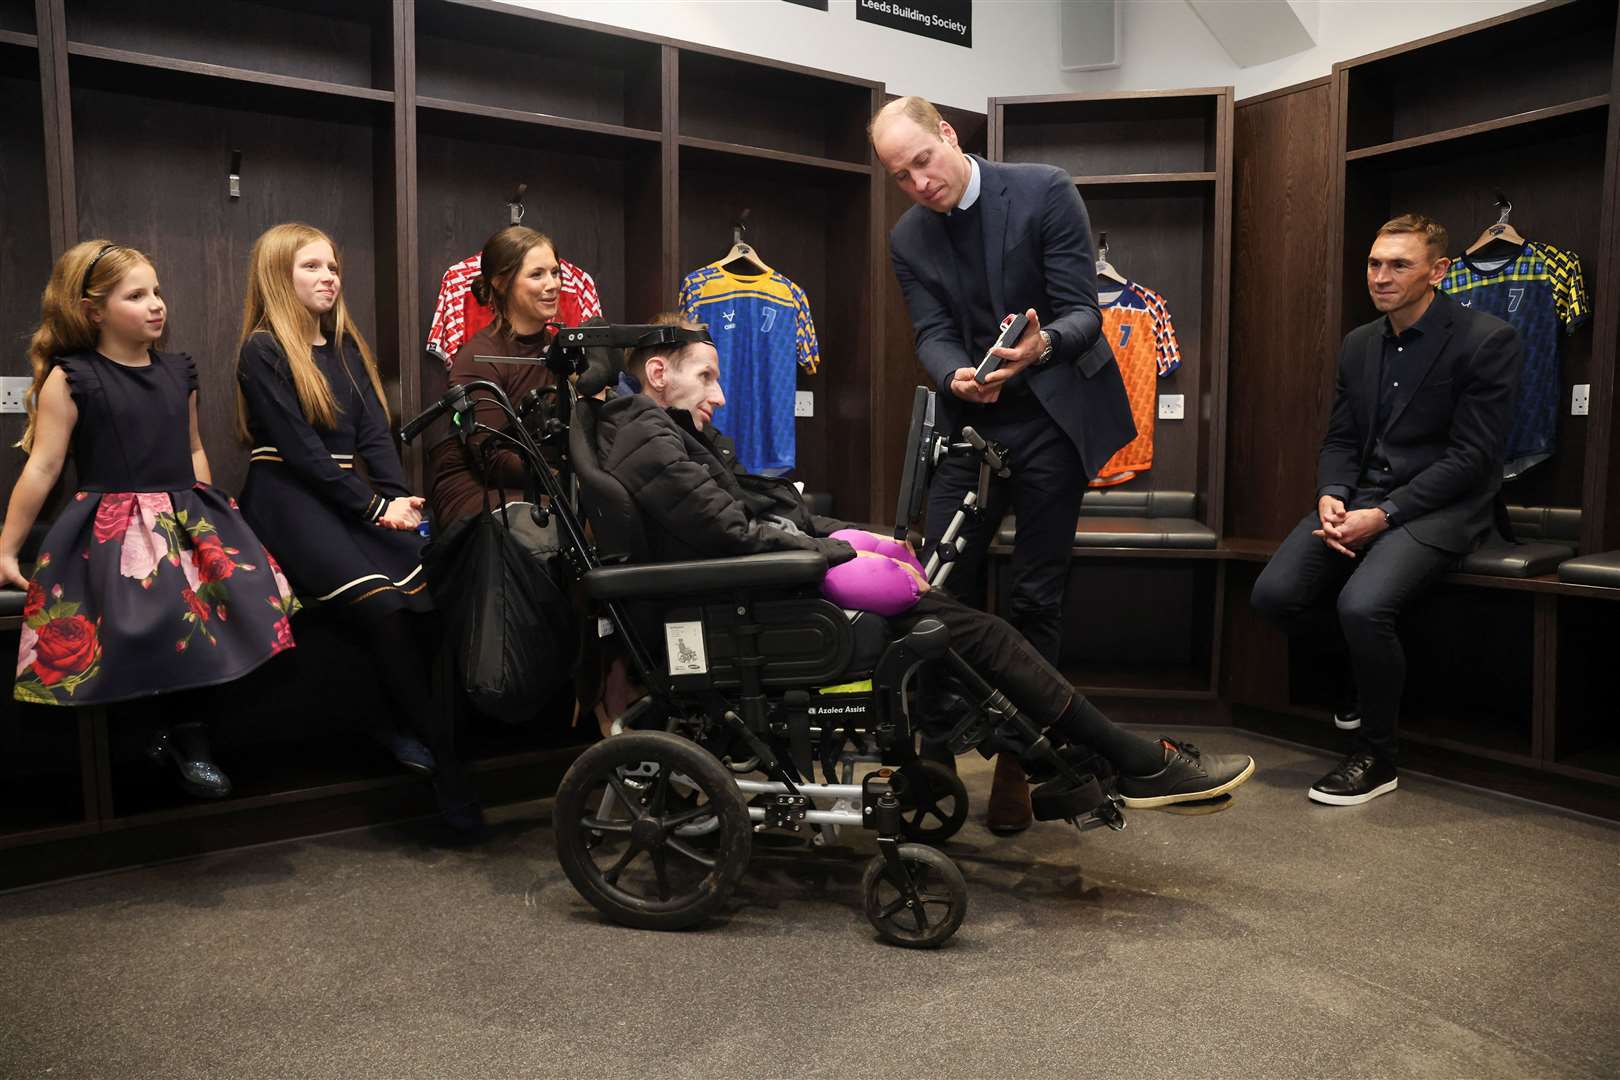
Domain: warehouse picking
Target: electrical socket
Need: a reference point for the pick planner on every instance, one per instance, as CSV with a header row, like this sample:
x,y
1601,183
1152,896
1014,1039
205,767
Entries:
x,y
804,403
13,389
1172,406
1580,399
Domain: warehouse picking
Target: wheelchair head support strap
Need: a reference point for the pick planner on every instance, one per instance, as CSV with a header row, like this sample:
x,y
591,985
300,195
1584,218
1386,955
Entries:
x,y
595,350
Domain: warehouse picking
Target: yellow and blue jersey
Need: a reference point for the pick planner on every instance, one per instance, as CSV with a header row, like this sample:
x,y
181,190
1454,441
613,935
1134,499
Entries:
x,y
1538,292
762,330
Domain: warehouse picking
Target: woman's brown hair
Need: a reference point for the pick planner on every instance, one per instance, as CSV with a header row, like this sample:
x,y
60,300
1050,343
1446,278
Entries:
x,y
499,262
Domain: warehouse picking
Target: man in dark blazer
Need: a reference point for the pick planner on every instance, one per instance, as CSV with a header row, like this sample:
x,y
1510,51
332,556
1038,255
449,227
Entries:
x,y
986,241
1407,481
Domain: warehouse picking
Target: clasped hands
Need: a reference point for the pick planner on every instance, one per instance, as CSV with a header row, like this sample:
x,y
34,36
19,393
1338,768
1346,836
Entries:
x,y
1347,531
404,513
1023,353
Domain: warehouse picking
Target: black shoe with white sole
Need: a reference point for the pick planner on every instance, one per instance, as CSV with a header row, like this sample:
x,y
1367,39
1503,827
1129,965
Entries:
x,y
1359,778
1188,775
1348,720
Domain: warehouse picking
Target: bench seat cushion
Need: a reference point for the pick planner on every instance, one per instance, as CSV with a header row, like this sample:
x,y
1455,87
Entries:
x,y
1498,558
1602,569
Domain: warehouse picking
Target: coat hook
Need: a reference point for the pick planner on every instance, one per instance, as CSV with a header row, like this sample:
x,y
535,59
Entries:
x,y
739,228
515,205
235,186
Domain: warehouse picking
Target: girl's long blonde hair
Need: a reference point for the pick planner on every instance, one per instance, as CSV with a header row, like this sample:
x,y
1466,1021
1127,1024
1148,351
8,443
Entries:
x,y
86,271
272,307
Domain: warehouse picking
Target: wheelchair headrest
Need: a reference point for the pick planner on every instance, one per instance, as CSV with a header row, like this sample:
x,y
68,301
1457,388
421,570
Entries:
x,y
613,514
602,365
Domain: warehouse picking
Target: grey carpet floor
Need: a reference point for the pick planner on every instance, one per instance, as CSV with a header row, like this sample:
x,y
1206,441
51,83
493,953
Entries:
x,y
1439,932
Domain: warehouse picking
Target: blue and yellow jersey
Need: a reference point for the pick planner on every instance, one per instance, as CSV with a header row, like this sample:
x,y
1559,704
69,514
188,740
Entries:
x,y
1538,292
763,332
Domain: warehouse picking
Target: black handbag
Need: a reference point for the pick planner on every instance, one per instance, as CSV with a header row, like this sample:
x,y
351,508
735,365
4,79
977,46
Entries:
x,y
495,578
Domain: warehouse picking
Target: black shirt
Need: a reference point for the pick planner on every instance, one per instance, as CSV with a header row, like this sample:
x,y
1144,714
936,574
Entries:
x,y
1395,362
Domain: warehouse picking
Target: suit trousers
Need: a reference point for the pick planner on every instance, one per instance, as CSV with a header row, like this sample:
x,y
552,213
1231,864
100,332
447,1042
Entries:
x,y
1044,491
1371,591
1001,655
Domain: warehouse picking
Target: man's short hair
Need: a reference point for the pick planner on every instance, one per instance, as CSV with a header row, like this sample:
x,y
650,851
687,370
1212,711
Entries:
x,y
1433,233
919,110
635,360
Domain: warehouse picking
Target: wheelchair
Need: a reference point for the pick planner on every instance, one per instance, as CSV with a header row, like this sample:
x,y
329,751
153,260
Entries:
x,y
764,697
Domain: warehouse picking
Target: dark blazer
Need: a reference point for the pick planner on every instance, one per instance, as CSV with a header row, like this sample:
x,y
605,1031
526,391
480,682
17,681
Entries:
x,y
1038,253
1448,427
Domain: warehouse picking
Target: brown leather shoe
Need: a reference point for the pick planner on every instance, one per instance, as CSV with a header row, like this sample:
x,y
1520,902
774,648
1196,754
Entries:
x,y
1009,810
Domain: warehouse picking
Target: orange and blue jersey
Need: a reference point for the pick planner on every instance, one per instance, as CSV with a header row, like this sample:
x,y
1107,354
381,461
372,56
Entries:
x,y
1137,325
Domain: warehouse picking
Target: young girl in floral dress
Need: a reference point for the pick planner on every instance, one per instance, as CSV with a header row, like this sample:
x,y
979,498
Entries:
x,y
150,582
311,406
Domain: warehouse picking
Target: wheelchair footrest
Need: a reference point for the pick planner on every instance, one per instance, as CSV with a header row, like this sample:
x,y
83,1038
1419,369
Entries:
x,y
1064,799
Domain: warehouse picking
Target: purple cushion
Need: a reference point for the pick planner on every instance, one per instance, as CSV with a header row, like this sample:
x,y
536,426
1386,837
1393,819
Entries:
x,y
865,541
866,583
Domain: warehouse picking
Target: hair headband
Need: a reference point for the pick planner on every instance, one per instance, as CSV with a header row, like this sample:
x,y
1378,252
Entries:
x,y
84,290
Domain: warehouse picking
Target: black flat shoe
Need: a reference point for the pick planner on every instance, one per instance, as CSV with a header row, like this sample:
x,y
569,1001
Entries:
x,y
408,750
196,774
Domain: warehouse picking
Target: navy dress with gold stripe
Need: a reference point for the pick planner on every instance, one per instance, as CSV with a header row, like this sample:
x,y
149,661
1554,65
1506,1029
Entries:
x,y
306,500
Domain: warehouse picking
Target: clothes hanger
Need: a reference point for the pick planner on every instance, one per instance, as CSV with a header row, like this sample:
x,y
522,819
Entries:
x,y
1500,238
741,259
1105,269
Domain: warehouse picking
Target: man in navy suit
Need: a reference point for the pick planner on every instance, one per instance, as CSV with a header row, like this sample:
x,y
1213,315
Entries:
x,y
1407,481
986,240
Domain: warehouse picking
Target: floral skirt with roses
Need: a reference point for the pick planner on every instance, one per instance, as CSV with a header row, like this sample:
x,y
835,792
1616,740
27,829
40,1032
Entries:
x,y
139,593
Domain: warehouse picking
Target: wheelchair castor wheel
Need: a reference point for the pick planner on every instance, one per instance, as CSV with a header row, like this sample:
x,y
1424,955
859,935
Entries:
x,y
629,813
933,802
941,898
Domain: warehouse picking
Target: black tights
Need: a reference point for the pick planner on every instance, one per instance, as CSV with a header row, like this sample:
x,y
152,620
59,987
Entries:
x,y
399,648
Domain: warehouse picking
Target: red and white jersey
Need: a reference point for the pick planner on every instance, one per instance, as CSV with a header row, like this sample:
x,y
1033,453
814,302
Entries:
x,y
458,314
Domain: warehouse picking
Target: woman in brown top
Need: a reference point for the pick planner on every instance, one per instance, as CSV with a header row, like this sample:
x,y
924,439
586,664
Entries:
x,y
520,281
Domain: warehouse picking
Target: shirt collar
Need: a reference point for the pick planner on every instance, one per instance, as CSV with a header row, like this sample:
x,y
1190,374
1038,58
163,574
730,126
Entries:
x,y
970,194
1424,324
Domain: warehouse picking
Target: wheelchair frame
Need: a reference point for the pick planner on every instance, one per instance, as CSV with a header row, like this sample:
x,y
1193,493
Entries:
x,y
678,741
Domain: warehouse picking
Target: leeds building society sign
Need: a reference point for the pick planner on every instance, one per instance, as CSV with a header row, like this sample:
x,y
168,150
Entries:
x,y
943,20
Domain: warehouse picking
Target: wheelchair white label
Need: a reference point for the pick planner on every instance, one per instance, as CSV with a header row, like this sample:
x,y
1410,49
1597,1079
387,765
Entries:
x,y
685,643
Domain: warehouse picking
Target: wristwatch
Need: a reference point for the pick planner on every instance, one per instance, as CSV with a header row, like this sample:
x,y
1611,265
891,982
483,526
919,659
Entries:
x,y
1046,348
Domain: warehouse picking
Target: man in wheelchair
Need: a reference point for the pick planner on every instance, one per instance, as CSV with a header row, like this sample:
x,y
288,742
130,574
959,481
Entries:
x,y
654,436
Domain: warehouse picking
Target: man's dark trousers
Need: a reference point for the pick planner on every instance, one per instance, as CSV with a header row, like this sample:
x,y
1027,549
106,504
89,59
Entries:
x,y
1372,589
1044,493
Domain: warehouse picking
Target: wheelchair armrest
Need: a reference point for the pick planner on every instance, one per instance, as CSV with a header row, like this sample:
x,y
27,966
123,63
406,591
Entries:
x,y
775,569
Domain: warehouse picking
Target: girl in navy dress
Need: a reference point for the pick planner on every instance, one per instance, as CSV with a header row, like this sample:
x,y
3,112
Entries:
x,y
311,404
150,582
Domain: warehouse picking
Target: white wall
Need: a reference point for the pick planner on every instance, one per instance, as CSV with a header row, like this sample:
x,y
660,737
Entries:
x,y
1016,43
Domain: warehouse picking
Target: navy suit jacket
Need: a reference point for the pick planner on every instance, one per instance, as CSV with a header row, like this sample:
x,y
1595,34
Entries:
x,y
1038,254
1448,428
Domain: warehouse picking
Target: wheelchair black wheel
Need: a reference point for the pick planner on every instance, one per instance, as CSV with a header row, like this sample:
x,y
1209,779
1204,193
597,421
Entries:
x,y
652,830
941,892
934,805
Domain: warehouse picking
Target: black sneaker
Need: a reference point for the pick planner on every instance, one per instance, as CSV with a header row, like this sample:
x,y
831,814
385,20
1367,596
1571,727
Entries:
x,y
1359,778
1188,775
1348,720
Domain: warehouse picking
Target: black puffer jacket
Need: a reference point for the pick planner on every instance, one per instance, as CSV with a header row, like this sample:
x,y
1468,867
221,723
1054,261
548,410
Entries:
x,y
692,505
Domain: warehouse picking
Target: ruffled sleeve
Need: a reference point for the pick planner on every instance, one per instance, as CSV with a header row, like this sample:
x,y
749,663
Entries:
x,y
82,377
